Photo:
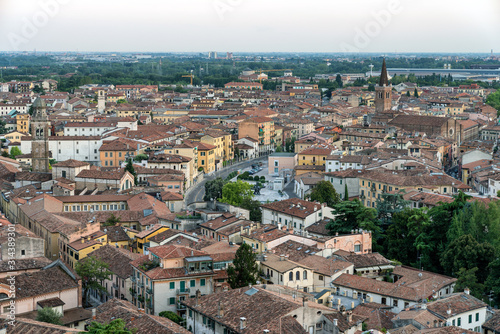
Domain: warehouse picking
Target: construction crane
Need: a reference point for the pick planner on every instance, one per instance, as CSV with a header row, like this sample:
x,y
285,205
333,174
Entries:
x,y
189,76
263,71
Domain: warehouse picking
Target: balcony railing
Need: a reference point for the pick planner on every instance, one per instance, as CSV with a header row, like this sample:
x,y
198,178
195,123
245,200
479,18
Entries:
x,y
149,291
183,291
180,306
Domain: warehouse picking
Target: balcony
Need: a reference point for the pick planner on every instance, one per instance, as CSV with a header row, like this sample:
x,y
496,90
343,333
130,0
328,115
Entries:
x,y
184,291
149,291
180,306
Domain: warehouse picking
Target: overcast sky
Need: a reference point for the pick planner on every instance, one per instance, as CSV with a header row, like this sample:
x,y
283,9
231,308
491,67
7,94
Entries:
x,y
251,25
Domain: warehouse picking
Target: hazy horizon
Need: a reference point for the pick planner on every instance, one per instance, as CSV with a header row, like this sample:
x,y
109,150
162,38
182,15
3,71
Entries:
x,y
244,26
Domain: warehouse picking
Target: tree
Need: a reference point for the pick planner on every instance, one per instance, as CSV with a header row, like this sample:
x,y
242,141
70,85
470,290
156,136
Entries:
x,y
466,278
398,241
415,93
244,269
48,314
235,193
92,271
140,157
408,93
2,126
112,220
130,168
338,80
346,193
493,280
254,207
7,155
494,100
237,153
172,316
465,252
116,326
324,192
352,215
14,152
389,204
213,189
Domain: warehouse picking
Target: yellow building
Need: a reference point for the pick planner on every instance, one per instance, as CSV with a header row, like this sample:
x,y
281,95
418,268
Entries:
x,y
81,248
455,109
113,153
373,183
206,157
15,136
142,238
23,123
114,97
314,155
221,140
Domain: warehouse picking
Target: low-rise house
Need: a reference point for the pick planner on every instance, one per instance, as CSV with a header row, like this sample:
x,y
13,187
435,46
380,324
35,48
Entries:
x,y
295,214
92,179
241,311
119,283
54,286
462,310
136,319
169,275
278,269
411,286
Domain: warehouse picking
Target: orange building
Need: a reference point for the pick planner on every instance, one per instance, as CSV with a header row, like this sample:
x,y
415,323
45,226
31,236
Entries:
x,y
113,153
261,129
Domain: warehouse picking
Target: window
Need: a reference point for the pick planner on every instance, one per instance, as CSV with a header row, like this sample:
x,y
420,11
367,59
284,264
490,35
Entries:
x,y
357,248
23,252
477,316
290,276
304,275
395,303
321,277
297,275
459,322
202,282
172,285
470,318
171,301
384,301
192,283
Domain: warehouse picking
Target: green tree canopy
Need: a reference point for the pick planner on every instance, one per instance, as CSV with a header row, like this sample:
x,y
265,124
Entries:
x,y
235,193
244,269
112,220
14,152
116,326
467,278
130,168
465,252
324,192
140,157
48,314
172,316
494,100
351,215
92,271
213,189
254,207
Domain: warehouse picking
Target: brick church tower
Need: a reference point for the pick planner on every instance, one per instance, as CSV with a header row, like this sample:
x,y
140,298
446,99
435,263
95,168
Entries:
x,y
40,132
383,92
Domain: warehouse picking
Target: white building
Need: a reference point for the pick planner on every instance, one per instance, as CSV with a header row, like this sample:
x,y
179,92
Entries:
x,y
82,148
5,109
295,213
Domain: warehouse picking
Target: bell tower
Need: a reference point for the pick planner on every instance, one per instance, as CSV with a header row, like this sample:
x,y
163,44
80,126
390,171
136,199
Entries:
x,y
40,132
383,92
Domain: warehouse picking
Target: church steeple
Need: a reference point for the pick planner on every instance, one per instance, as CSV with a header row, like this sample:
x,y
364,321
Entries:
x,y
40,132
383,92
384,78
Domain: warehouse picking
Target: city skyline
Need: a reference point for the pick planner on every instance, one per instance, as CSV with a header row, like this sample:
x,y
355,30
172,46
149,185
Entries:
x,y
361,26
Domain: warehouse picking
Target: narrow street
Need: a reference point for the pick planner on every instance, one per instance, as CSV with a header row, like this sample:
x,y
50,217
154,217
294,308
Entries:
x,y
196,193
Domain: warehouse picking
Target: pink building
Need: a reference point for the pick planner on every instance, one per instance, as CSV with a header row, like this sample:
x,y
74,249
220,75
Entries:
x,y
279,161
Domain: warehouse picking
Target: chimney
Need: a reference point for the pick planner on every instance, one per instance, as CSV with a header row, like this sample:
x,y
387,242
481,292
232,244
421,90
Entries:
x,y
335,322
448,311
279,226
94,316
304,301
282,257
221,311
349,316
83,240
355,294
352,305
243,323
266,331
198,295
467,291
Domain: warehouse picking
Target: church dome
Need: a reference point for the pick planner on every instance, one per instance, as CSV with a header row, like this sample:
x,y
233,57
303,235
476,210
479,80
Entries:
x,y
39,103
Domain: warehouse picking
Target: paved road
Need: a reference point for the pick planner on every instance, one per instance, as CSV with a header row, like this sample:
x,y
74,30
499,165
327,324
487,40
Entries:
x,y
196,193
290,190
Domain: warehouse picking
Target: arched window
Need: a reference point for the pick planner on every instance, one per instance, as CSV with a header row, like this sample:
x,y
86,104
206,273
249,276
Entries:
x,y
3,296
290,276
304,274
297,275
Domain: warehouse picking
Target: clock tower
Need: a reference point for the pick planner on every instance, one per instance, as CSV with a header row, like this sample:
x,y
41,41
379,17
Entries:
x,y
40,132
